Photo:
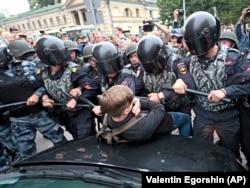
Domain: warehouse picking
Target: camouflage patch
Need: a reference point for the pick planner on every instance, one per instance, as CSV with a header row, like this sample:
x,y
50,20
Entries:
x,y
182,68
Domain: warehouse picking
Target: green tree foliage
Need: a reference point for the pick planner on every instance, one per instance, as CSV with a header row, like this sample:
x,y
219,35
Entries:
x,y
42,3
227,11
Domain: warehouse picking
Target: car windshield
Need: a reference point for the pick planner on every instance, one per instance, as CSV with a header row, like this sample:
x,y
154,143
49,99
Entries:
x,y
54,176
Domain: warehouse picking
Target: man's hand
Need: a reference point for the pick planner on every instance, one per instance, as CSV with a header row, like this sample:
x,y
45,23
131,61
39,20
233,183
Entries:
x,y
71,104
97,110
179,86
47,102
32,100
154,97
75,92
136,107
216,95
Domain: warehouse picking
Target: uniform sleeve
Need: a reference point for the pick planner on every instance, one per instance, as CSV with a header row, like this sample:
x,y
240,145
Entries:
x,y
88,85
146,127
235,91
181,70
128,80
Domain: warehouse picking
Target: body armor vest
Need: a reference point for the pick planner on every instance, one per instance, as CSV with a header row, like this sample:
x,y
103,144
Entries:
x,y
154,83
59,89
209,76
246,99
15,87
106,84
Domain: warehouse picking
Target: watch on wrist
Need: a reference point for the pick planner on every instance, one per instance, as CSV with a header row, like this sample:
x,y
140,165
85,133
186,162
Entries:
x,y
161,97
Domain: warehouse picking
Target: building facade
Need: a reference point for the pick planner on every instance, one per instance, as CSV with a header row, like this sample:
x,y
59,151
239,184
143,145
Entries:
x,y
127,14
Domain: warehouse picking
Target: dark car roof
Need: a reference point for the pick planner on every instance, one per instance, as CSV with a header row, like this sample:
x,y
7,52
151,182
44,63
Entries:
x,y
160,153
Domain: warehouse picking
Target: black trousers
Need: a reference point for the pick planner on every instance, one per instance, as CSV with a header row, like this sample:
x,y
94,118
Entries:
x,y
244,117
81,123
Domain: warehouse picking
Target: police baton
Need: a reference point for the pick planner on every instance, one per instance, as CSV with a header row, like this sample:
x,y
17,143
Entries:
x,y
196,92
77,105
54,104
84,99
12,104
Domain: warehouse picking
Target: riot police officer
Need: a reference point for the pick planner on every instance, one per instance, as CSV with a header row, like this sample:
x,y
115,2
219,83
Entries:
x,y
157,61
210,72
66,83
109,63
75,54
90,65
136,67
28,118
229,39
6,141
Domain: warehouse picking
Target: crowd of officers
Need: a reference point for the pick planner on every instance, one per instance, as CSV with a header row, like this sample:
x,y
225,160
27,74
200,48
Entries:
x,y
56,82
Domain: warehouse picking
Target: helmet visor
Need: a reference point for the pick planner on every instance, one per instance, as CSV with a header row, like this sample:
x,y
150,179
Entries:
x,y
109,66
56,57
155,66
199,46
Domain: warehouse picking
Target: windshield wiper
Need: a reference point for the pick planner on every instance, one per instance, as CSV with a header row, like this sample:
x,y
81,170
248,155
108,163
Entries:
x,y
104,177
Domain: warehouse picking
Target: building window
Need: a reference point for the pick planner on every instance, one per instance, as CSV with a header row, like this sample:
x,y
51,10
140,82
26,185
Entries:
x,y
39,23
45,23
28,25
58,20
19,28
116,11
51,21
128,12
34,25
64,19
151,14
137,13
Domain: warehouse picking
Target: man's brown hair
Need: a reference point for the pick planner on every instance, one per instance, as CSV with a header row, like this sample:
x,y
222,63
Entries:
x,y
116,99
119,29
13,29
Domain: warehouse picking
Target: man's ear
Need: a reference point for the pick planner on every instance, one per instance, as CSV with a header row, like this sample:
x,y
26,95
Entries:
x,y
126,111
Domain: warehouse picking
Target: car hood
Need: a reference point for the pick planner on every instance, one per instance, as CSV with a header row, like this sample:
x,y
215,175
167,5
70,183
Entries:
x,y
160,153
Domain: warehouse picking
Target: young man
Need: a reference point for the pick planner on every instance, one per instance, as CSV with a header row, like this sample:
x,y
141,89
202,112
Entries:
x,y
121,108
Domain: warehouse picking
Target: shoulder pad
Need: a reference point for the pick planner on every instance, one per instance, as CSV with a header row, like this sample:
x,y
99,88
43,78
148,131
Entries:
x,y
38,71
127,71
128,66
74,69
233,50
86,67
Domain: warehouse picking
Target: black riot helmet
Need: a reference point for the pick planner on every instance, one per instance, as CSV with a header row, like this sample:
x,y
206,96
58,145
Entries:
x,y
87,51
71,45
6,55
201,32
150,52
107,58
21,48
52,51
131,49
